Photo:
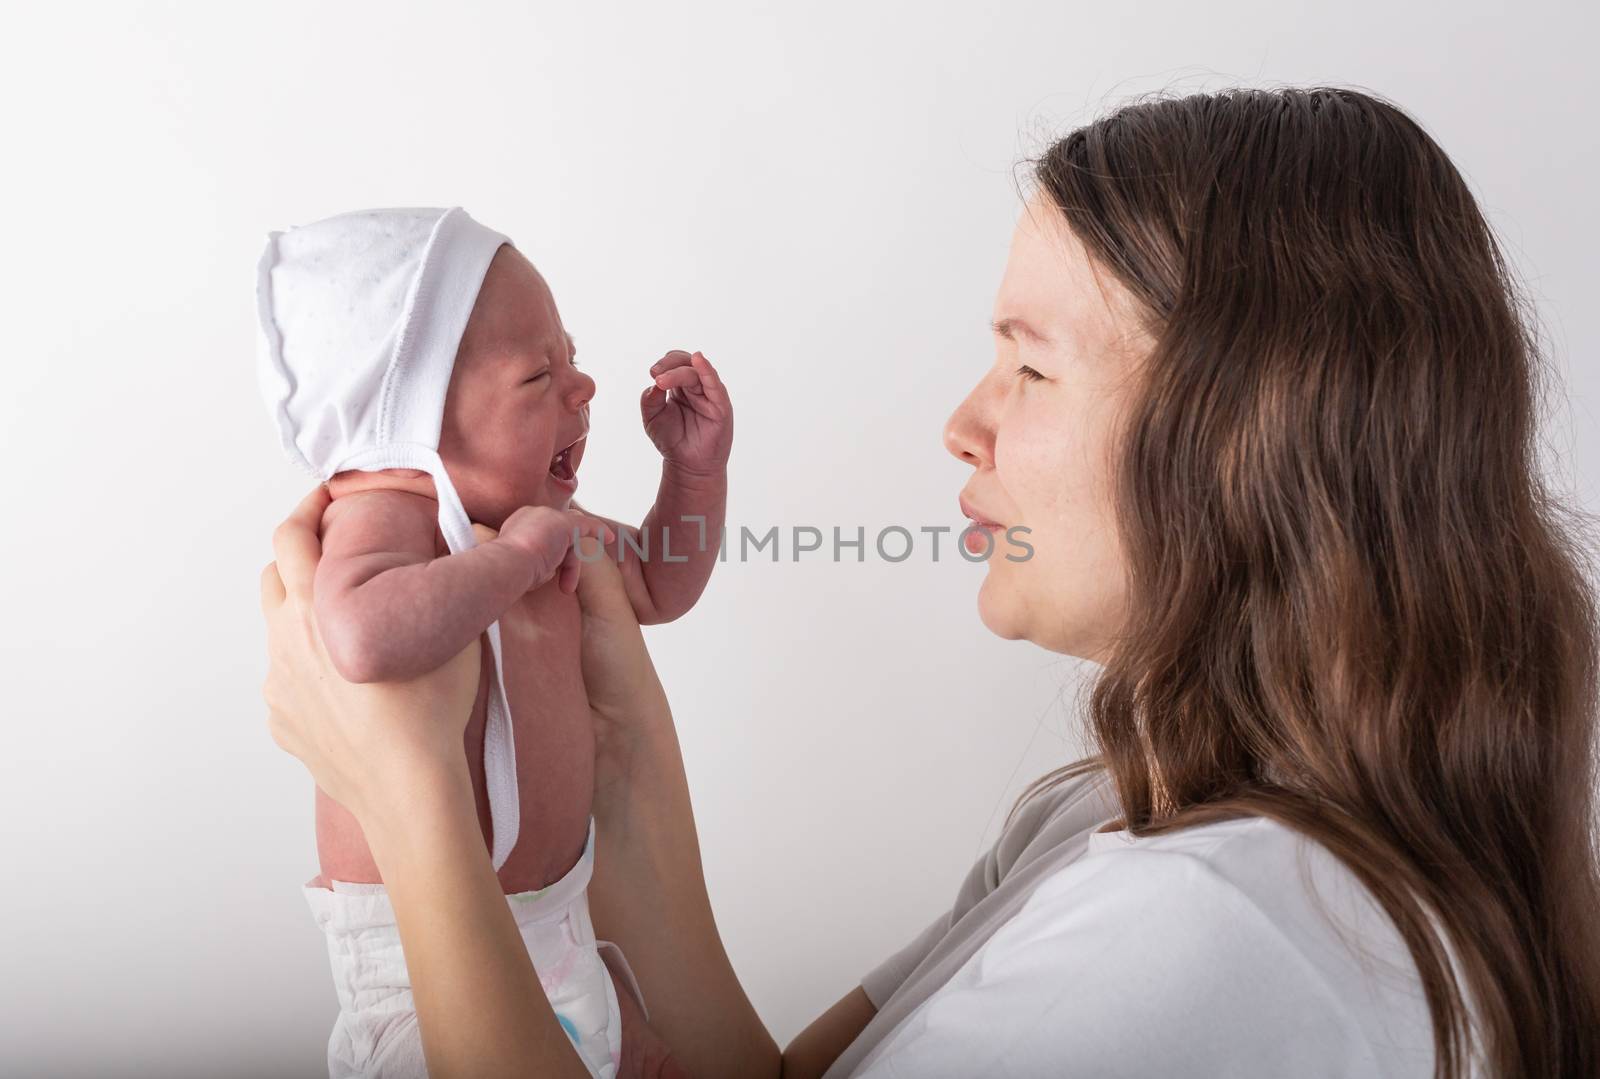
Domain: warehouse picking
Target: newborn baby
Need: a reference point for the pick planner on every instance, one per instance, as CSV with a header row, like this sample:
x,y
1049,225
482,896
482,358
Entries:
x,y
415,361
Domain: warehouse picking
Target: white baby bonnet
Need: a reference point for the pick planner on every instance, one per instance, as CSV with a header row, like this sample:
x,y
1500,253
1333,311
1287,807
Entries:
x,y
360,317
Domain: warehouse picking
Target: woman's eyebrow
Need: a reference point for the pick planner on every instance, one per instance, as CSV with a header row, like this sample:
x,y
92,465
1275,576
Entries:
x,y
1011,327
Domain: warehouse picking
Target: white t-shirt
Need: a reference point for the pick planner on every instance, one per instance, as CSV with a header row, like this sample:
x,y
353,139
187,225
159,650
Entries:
x,y
1236,949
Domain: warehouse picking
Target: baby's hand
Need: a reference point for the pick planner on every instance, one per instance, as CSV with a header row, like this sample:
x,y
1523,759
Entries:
x,y
687,413
549,538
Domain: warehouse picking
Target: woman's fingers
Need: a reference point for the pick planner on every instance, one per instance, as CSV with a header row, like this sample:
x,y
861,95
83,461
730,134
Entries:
x,y
624,693
567,575
586,525
296,548
644,1053
602,594
272,593
282,734
295,543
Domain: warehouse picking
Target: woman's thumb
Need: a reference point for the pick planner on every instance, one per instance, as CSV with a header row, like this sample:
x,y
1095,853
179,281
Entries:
x,y
601,593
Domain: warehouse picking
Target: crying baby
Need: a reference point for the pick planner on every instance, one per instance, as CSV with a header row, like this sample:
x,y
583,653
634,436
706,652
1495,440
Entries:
x,y
414,361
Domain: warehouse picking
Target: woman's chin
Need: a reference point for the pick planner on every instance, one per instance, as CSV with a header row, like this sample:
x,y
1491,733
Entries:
x,y
998,610
1006,612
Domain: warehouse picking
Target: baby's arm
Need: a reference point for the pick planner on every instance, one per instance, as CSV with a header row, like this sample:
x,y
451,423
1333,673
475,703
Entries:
x,y
388,609
688,416
685,523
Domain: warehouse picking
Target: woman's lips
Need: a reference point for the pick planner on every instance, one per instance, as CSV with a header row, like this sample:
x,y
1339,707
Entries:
x,y
975,542
977,518
972,536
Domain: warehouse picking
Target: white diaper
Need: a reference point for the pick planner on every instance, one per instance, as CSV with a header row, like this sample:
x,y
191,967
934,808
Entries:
x,y
376,1032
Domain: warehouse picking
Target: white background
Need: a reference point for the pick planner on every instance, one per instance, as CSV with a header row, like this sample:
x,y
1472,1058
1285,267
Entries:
x,y
819,198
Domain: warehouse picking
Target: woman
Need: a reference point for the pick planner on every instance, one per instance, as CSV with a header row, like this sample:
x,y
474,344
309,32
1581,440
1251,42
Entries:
x,y
1265,399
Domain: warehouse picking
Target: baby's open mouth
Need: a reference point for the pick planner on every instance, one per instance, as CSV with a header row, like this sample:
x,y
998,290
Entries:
x,y
561,466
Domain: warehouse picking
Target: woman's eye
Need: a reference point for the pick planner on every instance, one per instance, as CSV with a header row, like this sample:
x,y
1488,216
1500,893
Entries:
x,y
1029,373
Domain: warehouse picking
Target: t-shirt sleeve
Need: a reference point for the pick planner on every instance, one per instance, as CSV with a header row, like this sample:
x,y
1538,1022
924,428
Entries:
x,y
881,981
981,880
1151,965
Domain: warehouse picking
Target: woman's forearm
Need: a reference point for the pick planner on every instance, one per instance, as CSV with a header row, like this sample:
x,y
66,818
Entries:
x,y
648,895
479,1004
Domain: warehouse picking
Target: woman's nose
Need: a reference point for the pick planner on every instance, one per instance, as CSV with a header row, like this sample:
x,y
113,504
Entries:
x,y
969,434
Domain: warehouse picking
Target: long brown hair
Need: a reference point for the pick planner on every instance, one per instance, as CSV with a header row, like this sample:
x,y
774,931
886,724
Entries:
x,y
1354,606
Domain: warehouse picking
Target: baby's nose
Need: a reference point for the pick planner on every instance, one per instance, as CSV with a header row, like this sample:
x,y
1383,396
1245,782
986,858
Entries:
x,y
582,392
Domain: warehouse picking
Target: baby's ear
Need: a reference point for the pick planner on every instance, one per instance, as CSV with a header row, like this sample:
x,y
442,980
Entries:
x,y
483,533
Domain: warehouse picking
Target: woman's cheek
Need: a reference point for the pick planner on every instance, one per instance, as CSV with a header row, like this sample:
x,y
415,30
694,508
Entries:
x,y
1028,465
1046,469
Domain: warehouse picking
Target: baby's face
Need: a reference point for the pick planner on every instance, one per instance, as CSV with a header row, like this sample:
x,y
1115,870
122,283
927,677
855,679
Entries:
x,y
517,408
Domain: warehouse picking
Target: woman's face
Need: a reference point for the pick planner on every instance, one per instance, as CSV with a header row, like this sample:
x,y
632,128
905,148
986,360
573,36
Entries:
x,y
1039,430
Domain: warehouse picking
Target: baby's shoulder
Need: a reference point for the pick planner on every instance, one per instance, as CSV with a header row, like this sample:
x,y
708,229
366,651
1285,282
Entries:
x,y
412,481
383,511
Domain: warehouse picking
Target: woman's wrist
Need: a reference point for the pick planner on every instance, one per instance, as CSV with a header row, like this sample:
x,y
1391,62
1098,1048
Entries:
x,y
478,997
635,756
412,807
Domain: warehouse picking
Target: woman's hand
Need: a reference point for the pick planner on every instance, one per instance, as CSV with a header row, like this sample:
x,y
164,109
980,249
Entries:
x,y
393,754
625,695
648,892
369,747
624,690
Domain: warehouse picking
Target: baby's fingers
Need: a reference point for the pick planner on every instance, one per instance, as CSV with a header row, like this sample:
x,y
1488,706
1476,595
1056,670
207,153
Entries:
x,y
686,379
676,358
710,381
652,401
